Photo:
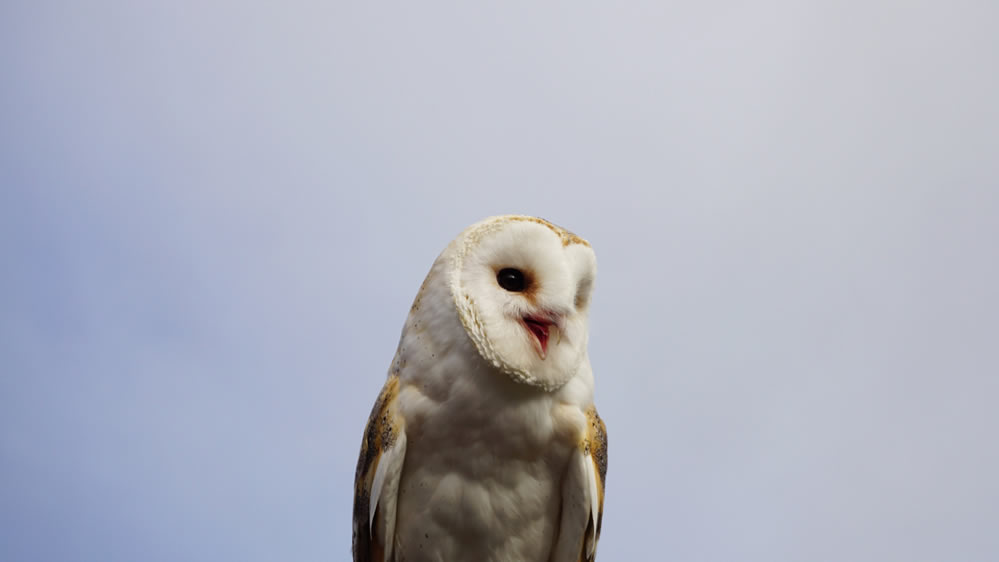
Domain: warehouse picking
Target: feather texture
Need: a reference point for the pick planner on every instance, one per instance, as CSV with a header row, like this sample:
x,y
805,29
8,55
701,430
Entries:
x,y
378,468
484,443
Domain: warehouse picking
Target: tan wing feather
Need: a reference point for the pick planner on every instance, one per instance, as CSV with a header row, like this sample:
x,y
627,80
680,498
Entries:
x,y
596,447
382,436
583,495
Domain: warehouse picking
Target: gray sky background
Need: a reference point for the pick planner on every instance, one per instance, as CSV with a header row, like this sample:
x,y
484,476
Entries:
x,y
214,216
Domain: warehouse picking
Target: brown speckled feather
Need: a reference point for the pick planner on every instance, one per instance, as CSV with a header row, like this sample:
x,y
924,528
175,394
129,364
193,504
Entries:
x,y
380,434
596,447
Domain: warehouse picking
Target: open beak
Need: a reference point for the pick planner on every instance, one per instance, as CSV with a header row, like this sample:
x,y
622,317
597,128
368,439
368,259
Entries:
x,y
541,327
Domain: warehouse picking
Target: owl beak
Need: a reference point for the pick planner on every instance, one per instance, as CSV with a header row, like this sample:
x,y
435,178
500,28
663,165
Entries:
x,y
541,328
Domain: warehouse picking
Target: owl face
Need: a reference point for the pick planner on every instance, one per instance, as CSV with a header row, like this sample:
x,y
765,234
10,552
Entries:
x,y
522,290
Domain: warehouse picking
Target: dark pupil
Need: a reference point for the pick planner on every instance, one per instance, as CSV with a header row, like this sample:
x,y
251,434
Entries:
x,y
511,279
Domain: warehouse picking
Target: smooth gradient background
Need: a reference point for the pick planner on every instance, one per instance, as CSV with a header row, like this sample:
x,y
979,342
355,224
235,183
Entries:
x,y
214,216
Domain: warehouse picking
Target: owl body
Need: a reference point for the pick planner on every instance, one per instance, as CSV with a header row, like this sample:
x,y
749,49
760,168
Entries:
x,y
484,444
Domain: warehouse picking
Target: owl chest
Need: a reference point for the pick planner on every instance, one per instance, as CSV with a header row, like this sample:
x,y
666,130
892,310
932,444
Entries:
x,y
482,478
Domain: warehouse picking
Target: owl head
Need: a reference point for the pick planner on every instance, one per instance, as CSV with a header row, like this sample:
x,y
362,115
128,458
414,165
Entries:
x,y
521,287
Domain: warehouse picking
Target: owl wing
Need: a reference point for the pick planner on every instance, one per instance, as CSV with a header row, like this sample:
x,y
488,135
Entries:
x,y
376,482
583,495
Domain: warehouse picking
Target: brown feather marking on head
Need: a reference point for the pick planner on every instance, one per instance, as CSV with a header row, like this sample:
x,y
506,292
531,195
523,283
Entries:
x,y
566,236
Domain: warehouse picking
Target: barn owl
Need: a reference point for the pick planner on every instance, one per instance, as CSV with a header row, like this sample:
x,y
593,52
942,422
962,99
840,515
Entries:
x,y
484,444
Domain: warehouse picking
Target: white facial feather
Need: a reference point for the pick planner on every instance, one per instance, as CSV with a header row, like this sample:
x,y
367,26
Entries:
x,y
561,269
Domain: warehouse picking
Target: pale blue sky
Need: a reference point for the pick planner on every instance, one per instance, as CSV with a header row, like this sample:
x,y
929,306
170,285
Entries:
x,y
214,216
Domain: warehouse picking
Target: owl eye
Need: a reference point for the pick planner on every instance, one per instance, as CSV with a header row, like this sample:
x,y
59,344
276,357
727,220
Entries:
x,y
512,280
